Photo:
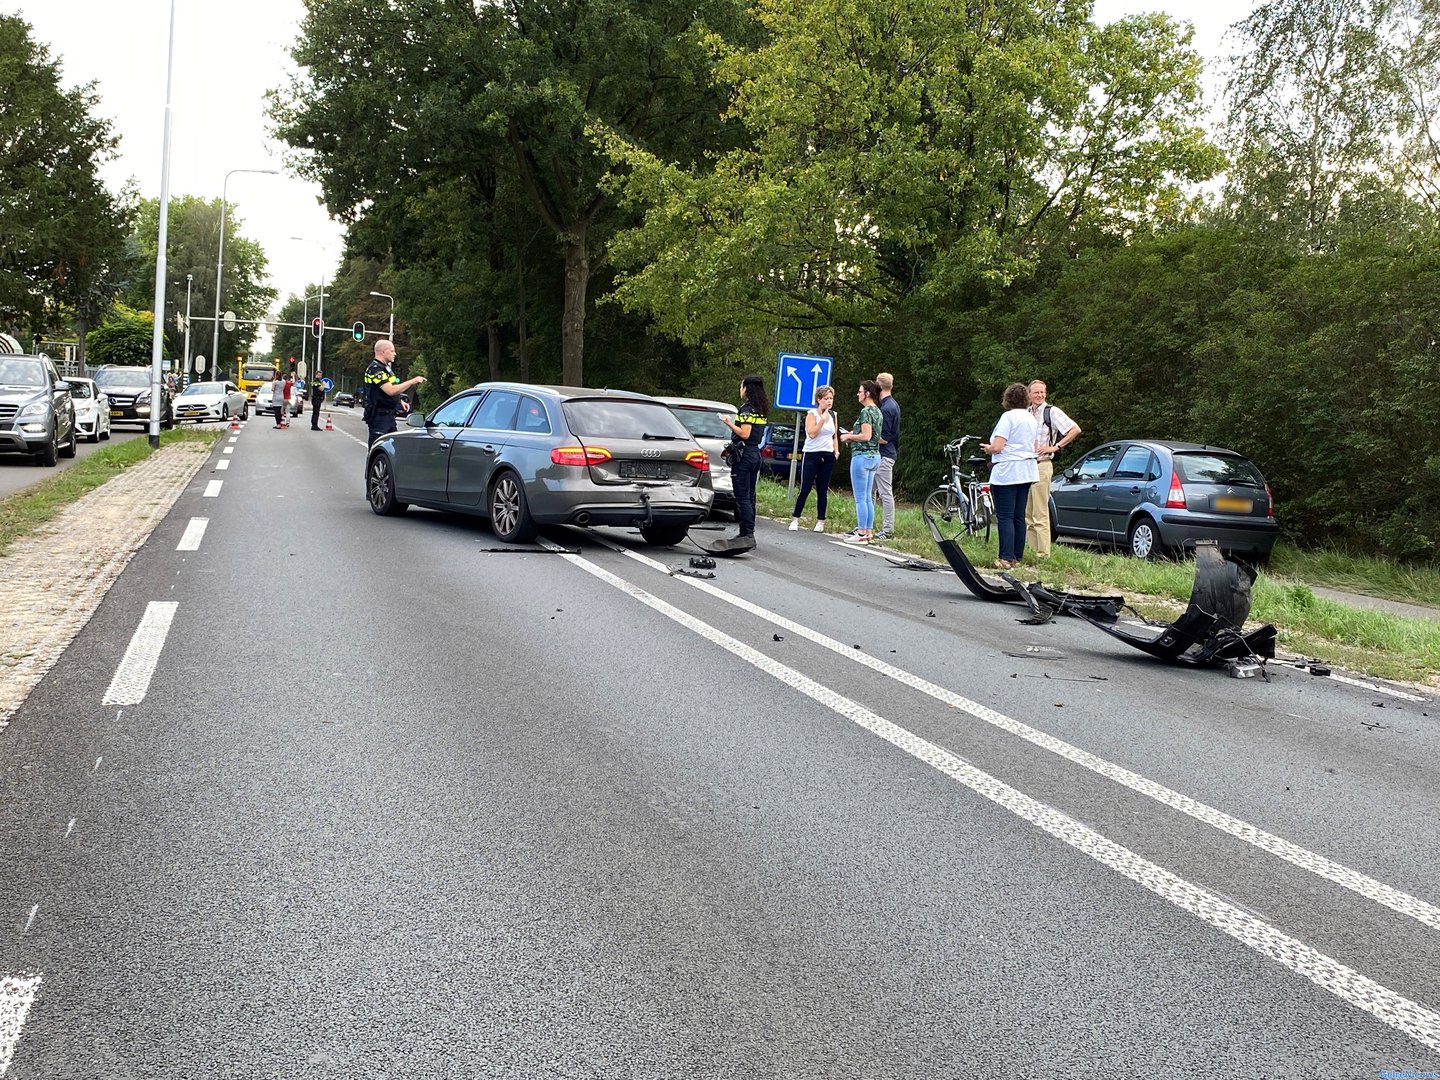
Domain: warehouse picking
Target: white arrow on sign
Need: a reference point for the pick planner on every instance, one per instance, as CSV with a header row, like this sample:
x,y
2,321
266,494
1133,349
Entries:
x,y
799,386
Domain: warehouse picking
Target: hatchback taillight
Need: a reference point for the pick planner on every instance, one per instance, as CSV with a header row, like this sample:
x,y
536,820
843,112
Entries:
x,y
698,459
1176,499
766,451
1269,502
579,455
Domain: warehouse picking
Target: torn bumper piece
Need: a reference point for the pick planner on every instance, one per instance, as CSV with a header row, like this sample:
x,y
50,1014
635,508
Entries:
x,y
1210,630
722,547
1044,604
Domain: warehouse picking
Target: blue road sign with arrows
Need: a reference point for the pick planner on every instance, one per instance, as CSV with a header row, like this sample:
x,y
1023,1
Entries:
x,y
798,377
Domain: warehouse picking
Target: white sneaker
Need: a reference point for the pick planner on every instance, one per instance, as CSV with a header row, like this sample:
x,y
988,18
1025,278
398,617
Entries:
x,y
794,525
819,526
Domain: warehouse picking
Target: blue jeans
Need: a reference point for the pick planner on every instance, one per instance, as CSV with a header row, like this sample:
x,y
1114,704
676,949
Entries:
x,y
1010,502
744,474
862,482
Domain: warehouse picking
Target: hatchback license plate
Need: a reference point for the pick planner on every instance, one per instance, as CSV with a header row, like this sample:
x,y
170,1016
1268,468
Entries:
x,y
1234,505
642,470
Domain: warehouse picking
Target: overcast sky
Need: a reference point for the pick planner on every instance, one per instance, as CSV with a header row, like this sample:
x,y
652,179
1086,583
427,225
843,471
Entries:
x,y
227,55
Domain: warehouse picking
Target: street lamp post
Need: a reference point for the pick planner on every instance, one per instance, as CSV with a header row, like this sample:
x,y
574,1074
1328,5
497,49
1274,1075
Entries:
x,y
220,259
387,296
185,379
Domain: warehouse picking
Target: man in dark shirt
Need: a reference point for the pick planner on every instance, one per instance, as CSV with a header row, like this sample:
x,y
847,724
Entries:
x,y
889,451
317,398
383,389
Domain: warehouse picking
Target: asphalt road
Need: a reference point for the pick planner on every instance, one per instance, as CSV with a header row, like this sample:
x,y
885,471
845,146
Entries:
x,y
18,471
400,802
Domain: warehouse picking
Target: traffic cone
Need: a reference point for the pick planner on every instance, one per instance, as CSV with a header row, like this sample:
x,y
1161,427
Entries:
x,y
328,425
234,423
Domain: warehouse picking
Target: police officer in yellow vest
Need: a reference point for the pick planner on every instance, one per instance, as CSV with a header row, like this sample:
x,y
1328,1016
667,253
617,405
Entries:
x,y
747,430
383,389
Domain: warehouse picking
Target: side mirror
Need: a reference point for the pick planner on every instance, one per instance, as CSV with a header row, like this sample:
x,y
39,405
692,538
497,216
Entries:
x,y
61,384
416,420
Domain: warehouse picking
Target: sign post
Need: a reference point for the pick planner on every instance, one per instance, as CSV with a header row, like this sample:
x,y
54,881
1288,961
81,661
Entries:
x,y
797,377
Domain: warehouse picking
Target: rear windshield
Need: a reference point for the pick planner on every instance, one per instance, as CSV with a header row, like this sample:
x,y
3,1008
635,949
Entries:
x,y
1224,469
702,422
134,377
622,418
782,434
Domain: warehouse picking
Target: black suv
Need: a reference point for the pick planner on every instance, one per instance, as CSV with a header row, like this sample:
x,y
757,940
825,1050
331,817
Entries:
x,y
37,416
128,389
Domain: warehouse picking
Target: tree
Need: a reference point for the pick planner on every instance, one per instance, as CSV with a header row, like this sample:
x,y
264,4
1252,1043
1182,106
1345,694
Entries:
x,y
61,232
126,337
902,158
499,105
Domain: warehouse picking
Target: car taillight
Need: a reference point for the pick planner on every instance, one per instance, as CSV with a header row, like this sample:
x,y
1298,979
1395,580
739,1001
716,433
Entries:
x,y
766,451
579,455
698,459
1269,502
1176,499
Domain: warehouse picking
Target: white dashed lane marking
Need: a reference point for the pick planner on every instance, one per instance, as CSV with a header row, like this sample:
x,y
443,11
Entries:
x,y
194,533
213,488
132,677
1386,895
222,464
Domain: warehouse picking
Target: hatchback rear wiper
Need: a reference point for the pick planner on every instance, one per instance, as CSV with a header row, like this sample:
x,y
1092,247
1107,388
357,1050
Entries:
x,y
667,438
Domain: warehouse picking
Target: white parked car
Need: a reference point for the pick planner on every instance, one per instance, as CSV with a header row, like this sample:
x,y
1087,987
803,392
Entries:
x,y
201,401
263,405
92,409
700,418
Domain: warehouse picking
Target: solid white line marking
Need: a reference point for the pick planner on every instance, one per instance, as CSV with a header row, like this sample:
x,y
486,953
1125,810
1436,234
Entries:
x,y
16,997
1406,1016
194,533
222,464
1386,895
132,677
213,488
1375,689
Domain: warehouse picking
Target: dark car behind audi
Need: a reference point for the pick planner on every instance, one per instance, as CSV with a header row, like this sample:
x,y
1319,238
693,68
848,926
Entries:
x,y
129,390
524,456
1156,496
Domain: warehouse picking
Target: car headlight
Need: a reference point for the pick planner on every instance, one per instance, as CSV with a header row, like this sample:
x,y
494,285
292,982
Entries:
x,y
144,395
36,408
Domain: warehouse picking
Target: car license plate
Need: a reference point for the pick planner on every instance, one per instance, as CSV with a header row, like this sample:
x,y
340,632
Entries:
x,y
116,412
643,470
1232,504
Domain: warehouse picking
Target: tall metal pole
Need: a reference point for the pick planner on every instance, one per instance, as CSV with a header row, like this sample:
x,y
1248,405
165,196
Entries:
x,y
305,322
387,296
220,258
157,340
186,376
320,341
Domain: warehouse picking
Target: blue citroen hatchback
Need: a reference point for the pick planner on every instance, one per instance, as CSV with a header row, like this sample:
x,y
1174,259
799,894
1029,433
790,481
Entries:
x,y
1156,496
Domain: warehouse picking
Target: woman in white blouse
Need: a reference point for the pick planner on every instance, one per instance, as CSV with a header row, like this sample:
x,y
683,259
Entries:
x,y
822,447
1012,471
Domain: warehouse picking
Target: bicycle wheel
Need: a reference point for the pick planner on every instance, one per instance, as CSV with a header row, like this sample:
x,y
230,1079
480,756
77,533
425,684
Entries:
x,y
942,508
985,512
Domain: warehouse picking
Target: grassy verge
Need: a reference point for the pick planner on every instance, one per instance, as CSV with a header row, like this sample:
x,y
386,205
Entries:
x,y
1374,642
25,511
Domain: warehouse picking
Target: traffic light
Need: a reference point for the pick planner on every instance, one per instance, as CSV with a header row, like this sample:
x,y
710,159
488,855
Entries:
x,y
316,326
359,331
292,363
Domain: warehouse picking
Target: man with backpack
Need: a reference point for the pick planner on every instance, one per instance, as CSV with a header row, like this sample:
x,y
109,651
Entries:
x,y
1057,430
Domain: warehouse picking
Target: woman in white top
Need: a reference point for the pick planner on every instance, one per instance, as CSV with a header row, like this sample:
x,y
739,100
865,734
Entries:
x,y
822,447
1013,470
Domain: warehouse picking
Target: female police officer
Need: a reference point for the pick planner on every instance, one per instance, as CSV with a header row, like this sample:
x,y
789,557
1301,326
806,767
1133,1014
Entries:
x,y
748,428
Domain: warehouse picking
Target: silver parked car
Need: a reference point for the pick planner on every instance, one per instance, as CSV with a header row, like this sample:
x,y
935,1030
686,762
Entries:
x,y
201,401
37,416
702,417
524,456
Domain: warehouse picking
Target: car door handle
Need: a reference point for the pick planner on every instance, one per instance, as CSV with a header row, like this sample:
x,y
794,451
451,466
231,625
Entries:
x,y
1094,487
488,448
1135,491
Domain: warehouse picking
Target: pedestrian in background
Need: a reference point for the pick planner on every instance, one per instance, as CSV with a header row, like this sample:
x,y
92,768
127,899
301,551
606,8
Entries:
x,y
864,440
889,451
1057,431
747,430
383,389
317,398
289,396
821,450
1012,471
277,399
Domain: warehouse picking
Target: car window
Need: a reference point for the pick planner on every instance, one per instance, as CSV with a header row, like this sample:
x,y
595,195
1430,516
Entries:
x,y
497,411
454,414
121,377
701,422
22,373
781,434
196,388
1096,464
622,418
1134,463
1229,470
81,391
532,417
